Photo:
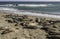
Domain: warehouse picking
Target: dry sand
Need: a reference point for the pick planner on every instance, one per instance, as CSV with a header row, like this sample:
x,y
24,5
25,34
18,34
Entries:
x,y
33,30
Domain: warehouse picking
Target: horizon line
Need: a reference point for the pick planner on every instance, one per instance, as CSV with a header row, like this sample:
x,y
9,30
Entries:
x,y
29,1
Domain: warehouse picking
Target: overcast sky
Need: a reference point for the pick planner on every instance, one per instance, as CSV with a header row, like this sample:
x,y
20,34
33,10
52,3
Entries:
x,y
29,0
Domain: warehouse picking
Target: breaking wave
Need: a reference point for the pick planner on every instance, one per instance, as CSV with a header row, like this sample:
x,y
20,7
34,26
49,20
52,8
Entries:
x,y
34,5
7,9
15,11
28,5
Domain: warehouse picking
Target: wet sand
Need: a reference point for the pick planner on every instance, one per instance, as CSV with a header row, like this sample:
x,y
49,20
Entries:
x,y
14,26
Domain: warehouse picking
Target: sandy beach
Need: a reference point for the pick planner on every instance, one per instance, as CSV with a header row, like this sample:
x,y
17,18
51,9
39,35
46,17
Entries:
x,y
29,20
22,26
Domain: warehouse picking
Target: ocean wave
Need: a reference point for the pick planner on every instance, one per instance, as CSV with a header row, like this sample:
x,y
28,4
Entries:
x,y
28,5
15,11
7,9
34,5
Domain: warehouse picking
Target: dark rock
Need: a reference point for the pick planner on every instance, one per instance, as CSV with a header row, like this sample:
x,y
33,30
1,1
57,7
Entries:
x,y
37,20
20,19
17,28
45,28
22,24
54,26
10,21
1,28
54,33
25,16
6,31
7,16
15,21
15,38
16,24
31,19
30,27
53,37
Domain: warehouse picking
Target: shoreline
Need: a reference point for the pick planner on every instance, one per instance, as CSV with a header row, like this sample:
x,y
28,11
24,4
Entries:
x,y
34,14
15,11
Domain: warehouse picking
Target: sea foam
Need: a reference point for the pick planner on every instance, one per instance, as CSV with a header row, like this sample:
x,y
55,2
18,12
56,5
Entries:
x,y
15,11
33,5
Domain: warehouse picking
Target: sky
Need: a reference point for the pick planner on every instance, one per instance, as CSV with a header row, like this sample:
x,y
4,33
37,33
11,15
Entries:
x,y
29,0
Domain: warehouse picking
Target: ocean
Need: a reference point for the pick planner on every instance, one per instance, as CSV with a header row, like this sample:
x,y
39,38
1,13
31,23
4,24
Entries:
x,y
52,8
